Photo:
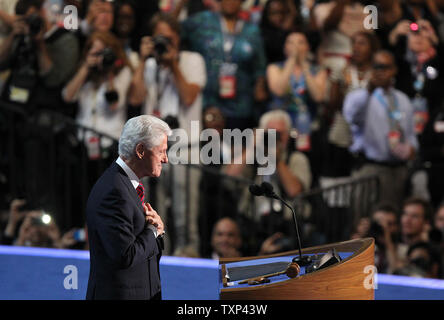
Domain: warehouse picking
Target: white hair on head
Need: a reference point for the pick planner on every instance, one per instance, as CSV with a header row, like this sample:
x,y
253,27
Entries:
x,y
145,129
275,115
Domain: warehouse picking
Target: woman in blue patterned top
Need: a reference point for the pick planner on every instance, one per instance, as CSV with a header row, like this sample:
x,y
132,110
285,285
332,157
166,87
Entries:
x,y
235,61
297,86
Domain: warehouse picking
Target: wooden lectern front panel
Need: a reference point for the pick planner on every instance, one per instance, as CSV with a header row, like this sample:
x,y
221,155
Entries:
x,y
346,280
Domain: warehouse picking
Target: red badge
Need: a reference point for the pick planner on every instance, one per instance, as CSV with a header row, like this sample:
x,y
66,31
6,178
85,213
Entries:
x,y
227,86
420,118
93,147
303,142
394,137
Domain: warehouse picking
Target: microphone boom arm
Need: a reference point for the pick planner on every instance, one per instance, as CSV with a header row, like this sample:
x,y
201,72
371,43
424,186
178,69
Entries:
x,y
301,260
266,189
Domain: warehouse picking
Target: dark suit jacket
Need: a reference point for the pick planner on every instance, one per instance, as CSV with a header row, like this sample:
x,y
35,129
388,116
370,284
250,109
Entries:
x,y
124,254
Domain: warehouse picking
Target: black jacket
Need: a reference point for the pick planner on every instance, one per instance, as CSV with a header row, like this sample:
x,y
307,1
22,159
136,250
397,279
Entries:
x,y
405,78
124,254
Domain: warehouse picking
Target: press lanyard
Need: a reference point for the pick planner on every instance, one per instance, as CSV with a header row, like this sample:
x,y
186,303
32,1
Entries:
x,y
297,93
94,107
228,38
418,84
298,86
391,107
161,82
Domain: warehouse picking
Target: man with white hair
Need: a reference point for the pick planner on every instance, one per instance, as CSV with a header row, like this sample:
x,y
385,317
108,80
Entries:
x,y
293,171
291,177
125,233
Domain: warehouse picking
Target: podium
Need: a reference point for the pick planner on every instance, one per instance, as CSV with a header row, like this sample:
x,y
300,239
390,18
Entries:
x,y
352,278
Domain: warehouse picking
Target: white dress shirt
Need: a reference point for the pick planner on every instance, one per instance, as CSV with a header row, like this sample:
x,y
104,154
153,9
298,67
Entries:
x,y
134,181
373,120
163,93
94,111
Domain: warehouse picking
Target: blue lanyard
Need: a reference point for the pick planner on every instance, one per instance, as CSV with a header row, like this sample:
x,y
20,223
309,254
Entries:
x,y
393,113
418,84
228,38
297,85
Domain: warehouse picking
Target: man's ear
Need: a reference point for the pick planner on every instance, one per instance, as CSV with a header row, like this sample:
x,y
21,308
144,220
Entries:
x,y
140,150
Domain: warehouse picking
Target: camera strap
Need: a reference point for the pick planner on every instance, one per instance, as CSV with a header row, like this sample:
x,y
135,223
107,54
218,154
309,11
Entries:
x,y
162,77
228,69
54,33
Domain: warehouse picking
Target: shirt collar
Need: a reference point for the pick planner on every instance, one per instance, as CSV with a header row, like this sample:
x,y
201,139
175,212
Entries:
x,y
381,91
129,172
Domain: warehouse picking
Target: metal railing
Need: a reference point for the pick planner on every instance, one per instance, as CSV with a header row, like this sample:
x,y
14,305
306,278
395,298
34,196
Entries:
x,y
45,161
335,211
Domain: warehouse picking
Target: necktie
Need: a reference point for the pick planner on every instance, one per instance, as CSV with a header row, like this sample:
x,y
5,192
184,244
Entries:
x,y
140,191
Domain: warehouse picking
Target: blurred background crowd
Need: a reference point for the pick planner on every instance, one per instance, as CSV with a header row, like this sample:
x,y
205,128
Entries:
x,y
353,92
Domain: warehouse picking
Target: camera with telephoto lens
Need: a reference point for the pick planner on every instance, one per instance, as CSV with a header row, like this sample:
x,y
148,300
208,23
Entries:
x,y
111,96
35,24
24,65
109,58
108,61
161,44
172,122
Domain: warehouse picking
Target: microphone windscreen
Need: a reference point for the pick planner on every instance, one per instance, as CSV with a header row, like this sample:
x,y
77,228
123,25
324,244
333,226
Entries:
x,y
267,188
255,190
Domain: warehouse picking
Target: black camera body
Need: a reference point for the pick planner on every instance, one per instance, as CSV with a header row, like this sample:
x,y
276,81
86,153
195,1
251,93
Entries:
x,y
111,96
37,221
35,23
109,58
108,61
172,122
161,44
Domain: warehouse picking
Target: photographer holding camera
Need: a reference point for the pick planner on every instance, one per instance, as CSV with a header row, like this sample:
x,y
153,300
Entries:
x,y
167,84
100,87
41,56
31,227
168,80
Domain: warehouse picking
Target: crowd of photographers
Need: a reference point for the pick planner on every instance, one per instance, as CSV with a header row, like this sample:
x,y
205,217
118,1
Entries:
x,y
349,95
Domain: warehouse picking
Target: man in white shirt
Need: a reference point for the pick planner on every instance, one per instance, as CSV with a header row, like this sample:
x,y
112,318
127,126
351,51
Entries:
x,y
168,84
383,117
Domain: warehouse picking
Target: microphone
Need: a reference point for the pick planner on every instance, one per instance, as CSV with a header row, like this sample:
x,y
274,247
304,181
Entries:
x,y
266,189
256,190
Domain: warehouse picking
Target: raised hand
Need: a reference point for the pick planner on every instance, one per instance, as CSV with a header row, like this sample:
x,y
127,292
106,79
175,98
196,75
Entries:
x,y
146,48
153,218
